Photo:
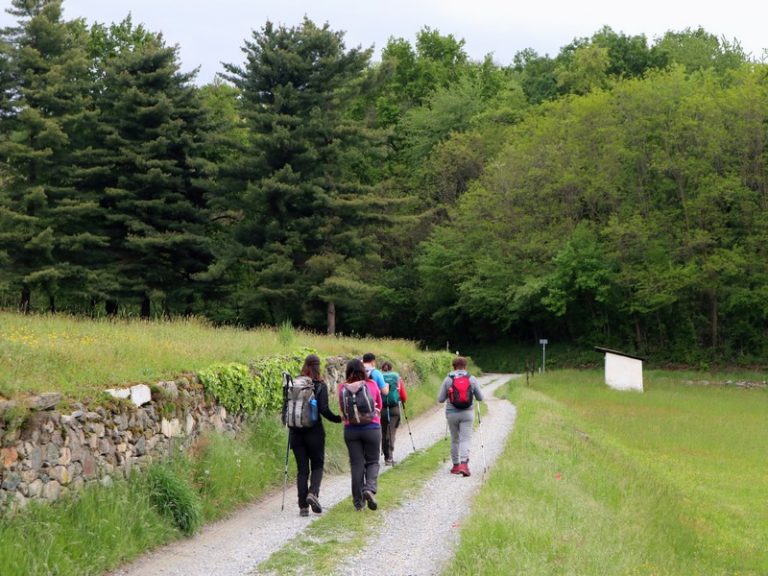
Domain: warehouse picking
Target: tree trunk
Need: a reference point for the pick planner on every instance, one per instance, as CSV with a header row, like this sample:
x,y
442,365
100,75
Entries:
x,y
110,307
714,314
331,318
52,304
145,307
26,300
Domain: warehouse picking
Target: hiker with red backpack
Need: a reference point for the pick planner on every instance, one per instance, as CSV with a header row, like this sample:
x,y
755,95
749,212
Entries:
x,y
458,391
360,403
390,415
306,399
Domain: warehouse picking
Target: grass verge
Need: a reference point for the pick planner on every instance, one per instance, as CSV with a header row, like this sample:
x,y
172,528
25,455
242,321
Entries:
x,y
596,482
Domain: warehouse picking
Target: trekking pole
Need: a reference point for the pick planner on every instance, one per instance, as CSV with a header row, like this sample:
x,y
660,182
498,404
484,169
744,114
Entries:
x,y
409,426
285,477
446,437
482,443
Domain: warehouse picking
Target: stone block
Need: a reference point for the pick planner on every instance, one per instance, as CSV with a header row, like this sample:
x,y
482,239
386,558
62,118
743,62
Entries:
x,y
170,428
52,453
106,447
44,401
35,488
51,490
141,394
65,456
61,475
121,393
9,456
35,458
89,466
11,482
170,389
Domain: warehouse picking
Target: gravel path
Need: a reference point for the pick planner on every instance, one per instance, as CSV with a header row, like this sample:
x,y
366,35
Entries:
x,y
427,526
236,545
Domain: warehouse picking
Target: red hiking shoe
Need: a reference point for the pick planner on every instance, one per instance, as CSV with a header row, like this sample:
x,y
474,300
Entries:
x,y
456,469
464,469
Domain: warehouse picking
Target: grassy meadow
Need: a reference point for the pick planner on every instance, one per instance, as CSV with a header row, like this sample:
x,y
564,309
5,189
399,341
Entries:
x,y
593,481
80,357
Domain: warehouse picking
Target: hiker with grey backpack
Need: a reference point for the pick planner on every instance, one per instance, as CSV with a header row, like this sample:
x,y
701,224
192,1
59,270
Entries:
x,y
459,390
360,403
305,401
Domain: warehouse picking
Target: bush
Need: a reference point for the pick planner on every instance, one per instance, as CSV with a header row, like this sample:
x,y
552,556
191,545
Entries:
x,y
254,388
174,497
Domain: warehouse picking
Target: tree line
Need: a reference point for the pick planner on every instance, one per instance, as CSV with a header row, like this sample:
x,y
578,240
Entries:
x,y
613,193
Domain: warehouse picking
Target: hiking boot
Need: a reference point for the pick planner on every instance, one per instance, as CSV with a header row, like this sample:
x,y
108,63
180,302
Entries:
x,y
455,469
370,499
314,503
303,511
464,469
389,462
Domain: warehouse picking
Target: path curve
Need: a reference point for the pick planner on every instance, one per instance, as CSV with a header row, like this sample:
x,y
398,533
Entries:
x,y
237,544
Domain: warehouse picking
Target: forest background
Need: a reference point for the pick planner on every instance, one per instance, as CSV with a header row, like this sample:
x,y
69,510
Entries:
x,y
613,194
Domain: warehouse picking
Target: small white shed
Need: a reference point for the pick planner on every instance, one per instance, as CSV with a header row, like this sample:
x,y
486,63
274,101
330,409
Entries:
x,y
622,371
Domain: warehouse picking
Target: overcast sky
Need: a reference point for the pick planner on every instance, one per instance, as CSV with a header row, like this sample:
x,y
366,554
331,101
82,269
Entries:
x,y
211,31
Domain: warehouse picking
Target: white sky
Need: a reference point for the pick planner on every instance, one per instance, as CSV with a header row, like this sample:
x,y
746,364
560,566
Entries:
x,y
211,31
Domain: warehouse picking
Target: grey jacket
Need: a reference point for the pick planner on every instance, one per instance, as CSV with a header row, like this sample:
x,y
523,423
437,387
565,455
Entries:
x,y
442,396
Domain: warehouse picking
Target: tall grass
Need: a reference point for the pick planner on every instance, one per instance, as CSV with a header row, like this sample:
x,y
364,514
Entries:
x,y
82,536
79,357
594,481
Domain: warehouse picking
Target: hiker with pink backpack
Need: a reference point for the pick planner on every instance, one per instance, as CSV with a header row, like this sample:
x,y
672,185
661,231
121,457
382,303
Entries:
x,y
360,402
458,391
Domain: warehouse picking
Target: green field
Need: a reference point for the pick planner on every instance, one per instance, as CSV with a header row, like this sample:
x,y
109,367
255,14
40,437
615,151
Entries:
x,y
592,481
81,357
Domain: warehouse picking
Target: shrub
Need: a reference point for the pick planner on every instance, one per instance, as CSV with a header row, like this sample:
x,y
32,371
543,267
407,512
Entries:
x,y
254,388
174,497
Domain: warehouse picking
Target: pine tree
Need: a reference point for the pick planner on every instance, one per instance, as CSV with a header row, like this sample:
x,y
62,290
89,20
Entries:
x,y
151,175
45,107
303,244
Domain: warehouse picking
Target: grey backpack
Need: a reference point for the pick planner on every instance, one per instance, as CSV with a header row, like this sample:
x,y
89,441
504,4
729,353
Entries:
x,y
299,395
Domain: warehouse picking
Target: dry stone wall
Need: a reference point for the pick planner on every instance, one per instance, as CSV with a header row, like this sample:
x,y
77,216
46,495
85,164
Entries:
x,y
51,448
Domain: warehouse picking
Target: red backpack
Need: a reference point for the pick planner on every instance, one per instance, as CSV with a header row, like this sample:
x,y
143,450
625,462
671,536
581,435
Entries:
x,y
460,391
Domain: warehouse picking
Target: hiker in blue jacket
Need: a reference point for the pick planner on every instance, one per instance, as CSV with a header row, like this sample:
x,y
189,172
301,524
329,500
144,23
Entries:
x,y
369,361
308,444
458,391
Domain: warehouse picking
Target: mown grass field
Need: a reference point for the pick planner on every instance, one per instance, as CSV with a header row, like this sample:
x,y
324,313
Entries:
x,y
672,481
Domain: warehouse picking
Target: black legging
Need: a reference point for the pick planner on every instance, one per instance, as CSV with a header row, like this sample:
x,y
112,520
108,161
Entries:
x,y
308,445
363,445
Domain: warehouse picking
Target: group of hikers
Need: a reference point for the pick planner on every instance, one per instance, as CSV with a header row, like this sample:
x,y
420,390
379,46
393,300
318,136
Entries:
x,y
370,403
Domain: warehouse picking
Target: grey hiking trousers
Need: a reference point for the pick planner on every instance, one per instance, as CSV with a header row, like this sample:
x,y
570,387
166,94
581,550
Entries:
x,y
460,425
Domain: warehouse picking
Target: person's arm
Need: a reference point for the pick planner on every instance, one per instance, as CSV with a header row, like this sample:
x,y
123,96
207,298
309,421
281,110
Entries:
x,y
442,396
401,391
322,404
476,388
378,377
378,400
